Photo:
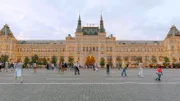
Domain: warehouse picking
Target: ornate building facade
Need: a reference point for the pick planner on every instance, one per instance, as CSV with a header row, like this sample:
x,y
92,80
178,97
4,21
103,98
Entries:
x,y
91,42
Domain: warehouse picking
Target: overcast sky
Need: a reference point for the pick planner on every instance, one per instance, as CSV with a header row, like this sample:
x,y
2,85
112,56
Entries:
x,y
55,19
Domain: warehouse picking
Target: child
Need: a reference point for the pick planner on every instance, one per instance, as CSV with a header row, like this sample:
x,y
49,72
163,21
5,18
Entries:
x,y
159,73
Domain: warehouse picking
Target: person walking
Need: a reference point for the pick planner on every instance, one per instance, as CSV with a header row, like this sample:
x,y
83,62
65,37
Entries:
x,y
107,69
0,66
124,66
47,66
76,68
34,66
52,66
63,66
59,67
159,73
12,66
118,65
18,71
140,74
6,66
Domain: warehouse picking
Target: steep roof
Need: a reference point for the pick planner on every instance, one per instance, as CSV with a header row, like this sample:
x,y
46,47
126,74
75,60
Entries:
x,y
173,32
6,31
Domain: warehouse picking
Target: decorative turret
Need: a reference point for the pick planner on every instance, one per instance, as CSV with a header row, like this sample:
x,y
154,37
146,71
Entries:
x,y
6,31
102,25
79,29
173,32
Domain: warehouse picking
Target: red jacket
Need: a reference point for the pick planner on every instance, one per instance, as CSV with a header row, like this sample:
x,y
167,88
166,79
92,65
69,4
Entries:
x,y
159,70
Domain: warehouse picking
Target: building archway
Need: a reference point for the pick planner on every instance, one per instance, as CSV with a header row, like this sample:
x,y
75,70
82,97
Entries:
x,y
90,60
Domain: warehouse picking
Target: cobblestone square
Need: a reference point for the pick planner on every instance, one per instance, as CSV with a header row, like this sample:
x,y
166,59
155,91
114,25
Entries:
x,y
90,86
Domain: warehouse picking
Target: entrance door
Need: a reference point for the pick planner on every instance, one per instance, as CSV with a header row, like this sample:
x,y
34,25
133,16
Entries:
x,y
90,60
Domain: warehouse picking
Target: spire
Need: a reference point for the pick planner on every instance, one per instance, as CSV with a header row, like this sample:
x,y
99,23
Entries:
x,y
101,18
79,20
102,25
79,24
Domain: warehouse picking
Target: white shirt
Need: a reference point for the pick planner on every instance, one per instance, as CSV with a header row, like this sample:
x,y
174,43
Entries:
x,y
140,64
19,65
76,64
6,64
34,64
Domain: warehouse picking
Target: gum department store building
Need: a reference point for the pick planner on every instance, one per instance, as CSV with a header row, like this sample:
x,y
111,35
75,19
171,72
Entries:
x,y
91,42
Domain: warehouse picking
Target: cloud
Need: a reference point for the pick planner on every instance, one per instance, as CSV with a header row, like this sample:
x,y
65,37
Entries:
x,y
125,19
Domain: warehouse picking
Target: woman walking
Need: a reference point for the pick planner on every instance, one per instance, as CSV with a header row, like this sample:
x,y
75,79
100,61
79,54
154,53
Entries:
x,y
140,74
18,71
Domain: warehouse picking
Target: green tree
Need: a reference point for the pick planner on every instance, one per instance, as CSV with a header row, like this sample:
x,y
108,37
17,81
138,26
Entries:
x,y
102,62
34,58
54,60
62,59
166,61
139,58
4,58
44,61
118,59
110,61
154,60
126,58
146,59
70,60
39,61
174,59
26,61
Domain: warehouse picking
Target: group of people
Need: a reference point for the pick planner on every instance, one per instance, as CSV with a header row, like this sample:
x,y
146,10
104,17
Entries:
x,y
19,65
6,65
140,73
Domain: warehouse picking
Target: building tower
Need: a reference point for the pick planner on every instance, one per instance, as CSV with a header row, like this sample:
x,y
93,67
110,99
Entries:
x,y
102,25
79,29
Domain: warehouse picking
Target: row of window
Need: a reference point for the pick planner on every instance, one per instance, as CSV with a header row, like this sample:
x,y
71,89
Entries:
x,y
96,49
139,50
40,50
135,58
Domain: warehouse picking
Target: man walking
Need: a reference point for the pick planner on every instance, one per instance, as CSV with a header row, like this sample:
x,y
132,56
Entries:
x,y
124,66
76,68
107,69
159,73
140,74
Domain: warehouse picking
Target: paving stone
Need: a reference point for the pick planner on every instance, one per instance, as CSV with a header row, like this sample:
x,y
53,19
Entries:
x,y
97,86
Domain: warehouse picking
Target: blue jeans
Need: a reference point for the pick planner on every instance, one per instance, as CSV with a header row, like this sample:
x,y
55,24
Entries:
x,y
124,72
159,76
